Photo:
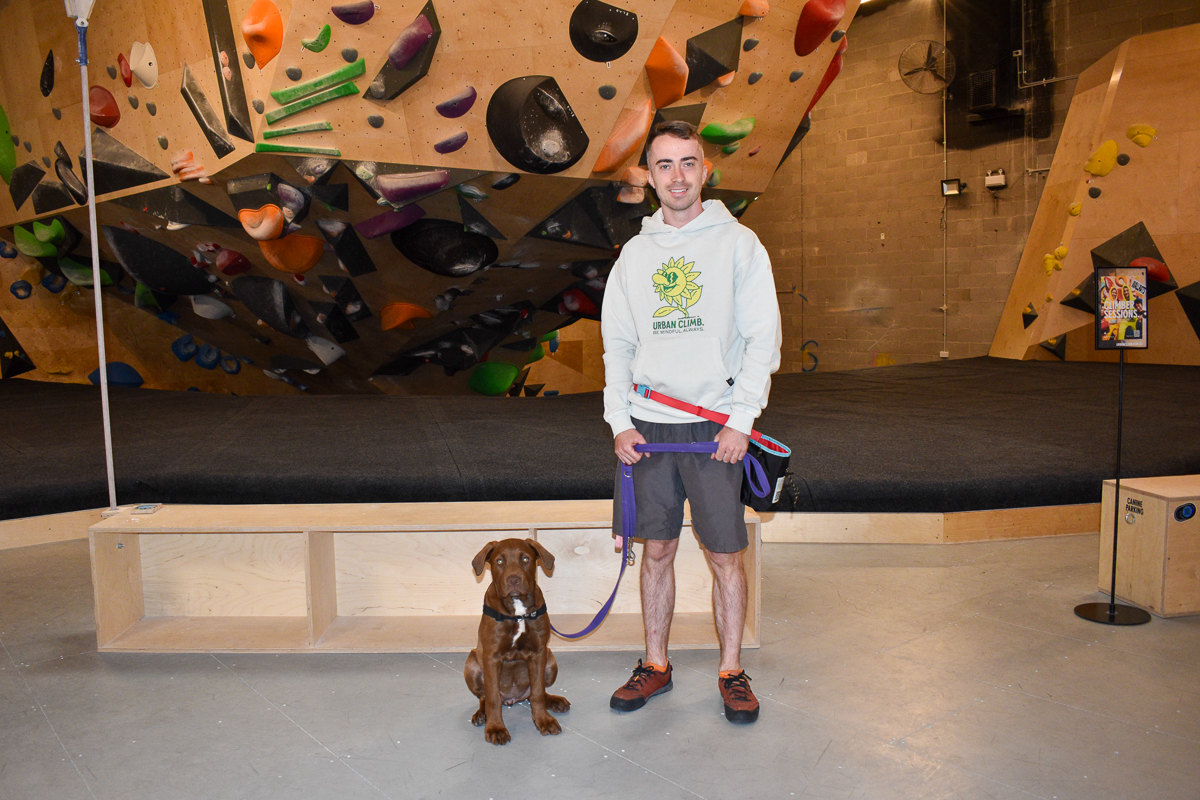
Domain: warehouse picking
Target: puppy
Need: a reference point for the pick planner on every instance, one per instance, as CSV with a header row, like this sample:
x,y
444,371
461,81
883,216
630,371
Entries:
x,y
512,661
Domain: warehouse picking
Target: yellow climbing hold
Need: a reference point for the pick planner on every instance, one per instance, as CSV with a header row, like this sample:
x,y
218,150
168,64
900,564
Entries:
x,y
1049,262
1060,252
1103,160
1141,134
1074,209
1028,309
1049,298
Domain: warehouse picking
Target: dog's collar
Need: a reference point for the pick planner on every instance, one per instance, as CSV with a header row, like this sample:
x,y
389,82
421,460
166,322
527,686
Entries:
x,y
496,615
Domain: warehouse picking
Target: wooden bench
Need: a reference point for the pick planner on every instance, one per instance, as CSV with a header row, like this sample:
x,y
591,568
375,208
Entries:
x,y
371,578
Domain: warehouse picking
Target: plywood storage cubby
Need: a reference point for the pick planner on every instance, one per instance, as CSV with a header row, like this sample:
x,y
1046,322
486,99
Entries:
x,y
371,578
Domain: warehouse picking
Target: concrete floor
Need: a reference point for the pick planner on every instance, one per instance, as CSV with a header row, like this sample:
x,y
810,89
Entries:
x,y
885,672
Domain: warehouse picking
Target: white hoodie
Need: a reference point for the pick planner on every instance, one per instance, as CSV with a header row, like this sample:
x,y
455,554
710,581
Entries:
x,y
690,312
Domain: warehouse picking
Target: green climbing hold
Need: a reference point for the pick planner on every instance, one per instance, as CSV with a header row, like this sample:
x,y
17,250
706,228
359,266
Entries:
x,y
470,192
536,354
311,102
714,179
320,42
310,127
143,297
549,337
54,233
493,378
81,275
719,133
730,149
30,245
8,151
263,147
289,94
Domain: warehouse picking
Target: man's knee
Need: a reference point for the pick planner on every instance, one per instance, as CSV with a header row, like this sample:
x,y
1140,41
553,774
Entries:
x,y
726,565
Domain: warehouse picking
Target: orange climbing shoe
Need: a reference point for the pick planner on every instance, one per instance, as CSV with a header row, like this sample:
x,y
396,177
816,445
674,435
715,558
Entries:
x,y
741,706
645,683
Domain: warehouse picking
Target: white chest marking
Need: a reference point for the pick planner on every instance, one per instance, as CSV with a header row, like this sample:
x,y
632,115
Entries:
x,y
520,609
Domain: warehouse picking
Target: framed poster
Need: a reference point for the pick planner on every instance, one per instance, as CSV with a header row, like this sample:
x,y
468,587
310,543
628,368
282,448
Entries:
x,y
1121,303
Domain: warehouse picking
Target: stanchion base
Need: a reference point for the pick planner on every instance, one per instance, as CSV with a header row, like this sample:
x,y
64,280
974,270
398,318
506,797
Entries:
x,y
1121,614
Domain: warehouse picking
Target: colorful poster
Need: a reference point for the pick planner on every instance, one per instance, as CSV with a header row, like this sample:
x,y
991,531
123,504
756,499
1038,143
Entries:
x,y
1121,303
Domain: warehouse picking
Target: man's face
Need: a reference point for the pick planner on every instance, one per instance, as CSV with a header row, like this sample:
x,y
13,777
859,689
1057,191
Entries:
x,y
677,174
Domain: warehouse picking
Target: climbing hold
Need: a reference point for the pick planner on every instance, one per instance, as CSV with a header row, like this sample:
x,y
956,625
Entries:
x,y
404,187
401,315
32,245
608,91
712,53
444,247
451,143
714,179
206,116
1155,269
754,8
1103,160
329,80
1028,315
410,41
631,195
262,28
601,32
186,168
817,21
625,138
8,151
125,70
344,90
112,72
103,107
318,42
493,378
1074,209
54,283
349,55
258,105
533,126
207,356
836,36
270,301
231,364
668,73
795,76
47,80
248,59
294,73
635,176
231,262
152,108
1060,252
21,289
720,133
389,221
725,80
505,181
749,45
1049,263
143,64
375,121
264,223
470,192
133,101
834,69
354,13
459,104
311,127
1094,192
118,373
295,253
755,77
1141,134
156,265
210,307
730,149
185,347
7,250
1123,159
324,349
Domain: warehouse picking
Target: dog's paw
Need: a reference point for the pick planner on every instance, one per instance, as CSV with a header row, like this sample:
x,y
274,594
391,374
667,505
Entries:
x,y
497,734
548,726
559,705
478,718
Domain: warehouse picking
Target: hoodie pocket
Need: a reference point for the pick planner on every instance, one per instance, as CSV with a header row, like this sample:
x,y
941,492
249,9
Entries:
x,y
688,368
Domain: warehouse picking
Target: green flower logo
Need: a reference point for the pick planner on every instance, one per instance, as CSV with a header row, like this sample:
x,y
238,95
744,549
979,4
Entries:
x,y
676,286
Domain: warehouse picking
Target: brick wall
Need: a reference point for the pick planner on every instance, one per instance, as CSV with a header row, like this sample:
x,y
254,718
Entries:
x,y
872,268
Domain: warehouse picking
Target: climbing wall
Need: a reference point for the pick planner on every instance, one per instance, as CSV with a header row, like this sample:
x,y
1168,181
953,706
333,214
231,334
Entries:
x,y
410,198
1124,188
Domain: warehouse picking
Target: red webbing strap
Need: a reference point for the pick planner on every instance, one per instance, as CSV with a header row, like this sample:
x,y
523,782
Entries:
x,y
666,400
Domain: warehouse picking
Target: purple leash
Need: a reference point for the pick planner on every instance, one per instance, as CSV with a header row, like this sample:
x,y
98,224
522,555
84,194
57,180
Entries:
x,y
754,473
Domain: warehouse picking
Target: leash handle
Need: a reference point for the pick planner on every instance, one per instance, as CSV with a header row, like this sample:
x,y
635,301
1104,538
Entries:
x,y
766,442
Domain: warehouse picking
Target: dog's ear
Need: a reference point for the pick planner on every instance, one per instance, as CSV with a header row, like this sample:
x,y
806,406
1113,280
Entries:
x,y
544,555
482,556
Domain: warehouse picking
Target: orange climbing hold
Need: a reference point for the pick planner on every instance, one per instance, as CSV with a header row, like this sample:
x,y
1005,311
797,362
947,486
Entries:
x,y
294,254
754,8
103,107
401,315
668,73
835,67
725,79
262,28
818,20
635,176
625,138
262,223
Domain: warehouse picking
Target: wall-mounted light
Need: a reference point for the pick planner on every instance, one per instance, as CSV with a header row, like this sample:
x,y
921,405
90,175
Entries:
x,y
995,179
952,187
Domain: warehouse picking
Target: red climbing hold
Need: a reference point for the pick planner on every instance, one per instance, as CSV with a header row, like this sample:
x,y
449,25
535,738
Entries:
x,y
103,107
835,67
818,20
126,70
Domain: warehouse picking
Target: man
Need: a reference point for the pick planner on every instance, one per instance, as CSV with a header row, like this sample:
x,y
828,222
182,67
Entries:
x,y
690,311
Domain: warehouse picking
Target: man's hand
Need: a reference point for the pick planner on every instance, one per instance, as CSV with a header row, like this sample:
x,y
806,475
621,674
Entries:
x,y
731,445
623,446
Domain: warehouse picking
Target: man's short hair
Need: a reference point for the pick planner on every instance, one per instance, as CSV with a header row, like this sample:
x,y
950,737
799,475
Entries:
x,y
676,128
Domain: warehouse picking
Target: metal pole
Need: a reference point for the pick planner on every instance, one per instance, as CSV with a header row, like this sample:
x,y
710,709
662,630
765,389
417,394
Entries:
x,y
81,29
1112,592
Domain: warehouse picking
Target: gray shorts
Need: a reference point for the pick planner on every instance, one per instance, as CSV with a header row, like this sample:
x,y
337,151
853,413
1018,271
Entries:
x,y
662,482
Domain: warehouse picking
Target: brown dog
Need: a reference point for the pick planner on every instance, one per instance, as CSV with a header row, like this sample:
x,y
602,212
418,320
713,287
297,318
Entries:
x,y
512,661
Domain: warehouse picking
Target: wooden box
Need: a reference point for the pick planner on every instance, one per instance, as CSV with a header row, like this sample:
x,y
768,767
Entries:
x,y
371,577
1158,555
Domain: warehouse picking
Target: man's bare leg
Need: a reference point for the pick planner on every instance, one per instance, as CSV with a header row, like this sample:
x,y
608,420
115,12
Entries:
x,y
729,606
658,596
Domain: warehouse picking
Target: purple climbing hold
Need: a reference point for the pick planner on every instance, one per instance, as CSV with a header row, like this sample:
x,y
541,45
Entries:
x,y
354,13
390,221
459,104
402,187
409,42
451,144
